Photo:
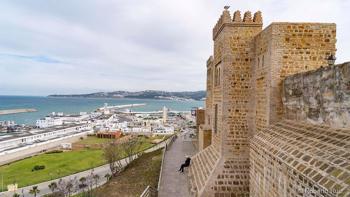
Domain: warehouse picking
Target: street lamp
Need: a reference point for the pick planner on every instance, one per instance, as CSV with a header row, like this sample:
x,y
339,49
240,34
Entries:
x,y
331,60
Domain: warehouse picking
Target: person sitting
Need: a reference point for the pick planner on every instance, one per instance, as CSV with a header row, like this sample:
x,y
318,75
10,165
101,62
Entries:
x,y
186,164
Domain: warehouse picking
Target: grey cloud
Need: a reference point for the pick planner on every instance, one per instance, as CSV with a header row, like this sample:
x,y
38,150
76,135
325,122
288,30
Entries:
x,y
72,46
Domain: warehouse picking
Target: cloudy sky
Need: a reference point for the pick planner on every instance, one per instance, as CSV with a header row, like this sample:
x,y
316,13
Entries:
x,y
81,46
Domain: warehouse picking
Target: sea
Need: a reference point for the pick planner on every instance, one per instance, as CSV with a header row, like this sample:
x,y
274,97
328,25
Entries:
x,y
47,105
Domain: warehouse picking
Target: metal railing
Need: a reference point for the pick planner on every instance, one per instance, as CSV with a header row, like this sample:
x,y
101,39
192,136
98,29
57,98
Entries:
x,y
149,192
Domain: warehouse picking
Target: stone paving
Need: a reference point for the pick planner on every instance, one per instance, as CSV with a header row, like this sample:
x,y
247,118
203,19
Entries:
x,y
174,183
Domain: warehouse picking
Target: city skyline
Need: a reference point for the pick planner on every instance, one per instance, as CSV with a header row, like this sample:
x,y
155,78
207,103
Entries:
x,y
81,47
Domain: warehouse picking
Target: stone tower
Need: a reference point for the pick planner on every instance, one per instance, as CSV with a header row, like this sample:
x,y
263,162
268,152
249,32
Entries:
x,y
244,102
228,101
233,54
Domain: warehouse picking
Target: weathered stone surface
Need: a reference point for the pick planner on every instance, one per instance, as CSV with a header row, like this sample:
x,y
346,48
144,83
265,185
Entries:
x,y
320,97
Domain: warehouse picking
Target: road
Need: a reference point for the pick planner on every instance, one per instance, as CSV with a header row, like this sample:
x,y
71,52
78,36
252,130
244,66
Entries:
x,y
101,171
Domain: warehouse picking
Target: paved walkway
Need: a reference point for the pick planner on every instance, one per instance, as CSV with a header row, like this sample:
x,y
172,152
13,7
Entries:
x,y
174,183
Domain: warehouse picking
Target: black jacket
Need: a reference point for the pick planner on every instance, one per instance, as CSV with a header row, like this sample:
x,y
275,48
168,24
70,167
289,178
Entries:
x,y
188,161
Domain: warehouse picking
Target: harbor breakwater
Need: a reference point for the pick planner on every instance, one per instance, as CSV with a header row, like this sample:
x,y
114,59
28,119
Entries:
x,y
16,111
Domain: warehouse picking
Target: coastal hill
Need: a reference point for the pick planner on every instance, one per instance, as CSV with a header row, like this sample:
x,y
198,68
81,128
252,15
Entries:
x,y
147,94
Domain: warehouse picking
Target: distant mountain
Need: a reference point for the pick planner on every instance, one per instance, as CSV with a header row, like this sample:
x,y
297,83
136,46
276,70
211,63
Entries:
x,y
147,94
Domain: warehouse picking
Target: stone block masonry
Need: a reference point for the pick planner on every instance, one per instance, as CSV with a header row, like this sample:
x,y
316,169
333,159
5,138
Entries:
x,y
254,151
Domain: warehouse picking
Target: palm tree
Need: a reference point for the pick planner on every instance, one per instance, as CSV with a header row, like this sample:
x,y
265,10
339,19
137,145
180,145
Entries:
x,y
96,177
82,184
69,188
53,186
34,191
108,176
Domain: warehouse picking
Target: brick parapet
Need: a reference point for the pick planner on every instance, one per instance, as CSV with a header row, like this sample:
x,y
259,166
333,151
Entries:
x,y
292,158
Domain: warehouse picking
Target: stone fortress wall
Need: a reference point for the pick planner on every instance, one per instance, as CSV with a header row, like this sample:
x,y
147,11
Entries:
x,y
254,151
320,97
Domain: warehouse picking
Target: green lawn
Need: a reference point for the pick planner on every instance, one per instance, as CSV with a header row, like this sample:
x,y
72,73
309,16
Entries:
x,y
93,140
58,164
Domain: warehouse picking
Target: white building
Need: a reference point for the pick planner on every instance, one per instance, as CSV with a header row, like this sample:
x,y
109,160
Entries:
x,y
120,126
164,130
137,130
75,118
42,136
7,123
49,122
57,119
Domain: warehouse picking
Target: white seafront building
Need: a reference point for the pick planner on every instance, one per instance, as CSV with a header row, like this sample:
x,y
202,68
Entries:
x,y
11,142
57,119
7,123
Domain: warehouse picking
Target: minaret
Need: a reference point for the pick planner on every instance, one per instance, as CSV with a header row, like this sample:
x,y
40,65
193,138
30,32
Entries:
x,y
165,115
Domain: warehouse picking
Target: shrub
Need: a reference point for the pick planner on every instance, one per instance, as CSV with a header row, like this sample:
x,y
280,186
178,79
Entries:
x,y
38,167
54,151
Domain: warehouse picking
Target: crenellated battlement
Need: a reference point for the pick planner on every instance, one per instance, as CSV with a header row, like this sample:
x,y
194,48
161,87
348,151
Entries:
x,y
236,20
210,60
247,17
237,17
258,17
224,18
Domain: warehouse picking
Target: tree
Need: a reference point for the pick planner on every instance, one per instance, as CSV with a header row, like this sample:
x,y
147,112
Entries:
x,y
67,187
61,187
113,153
90,182
53,186
34,191
131,147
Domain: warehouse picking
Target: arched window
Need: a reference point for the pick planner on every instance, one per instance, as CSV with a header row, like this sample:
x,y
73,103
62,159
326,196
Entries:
x,y
217,74
215,118
263,61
